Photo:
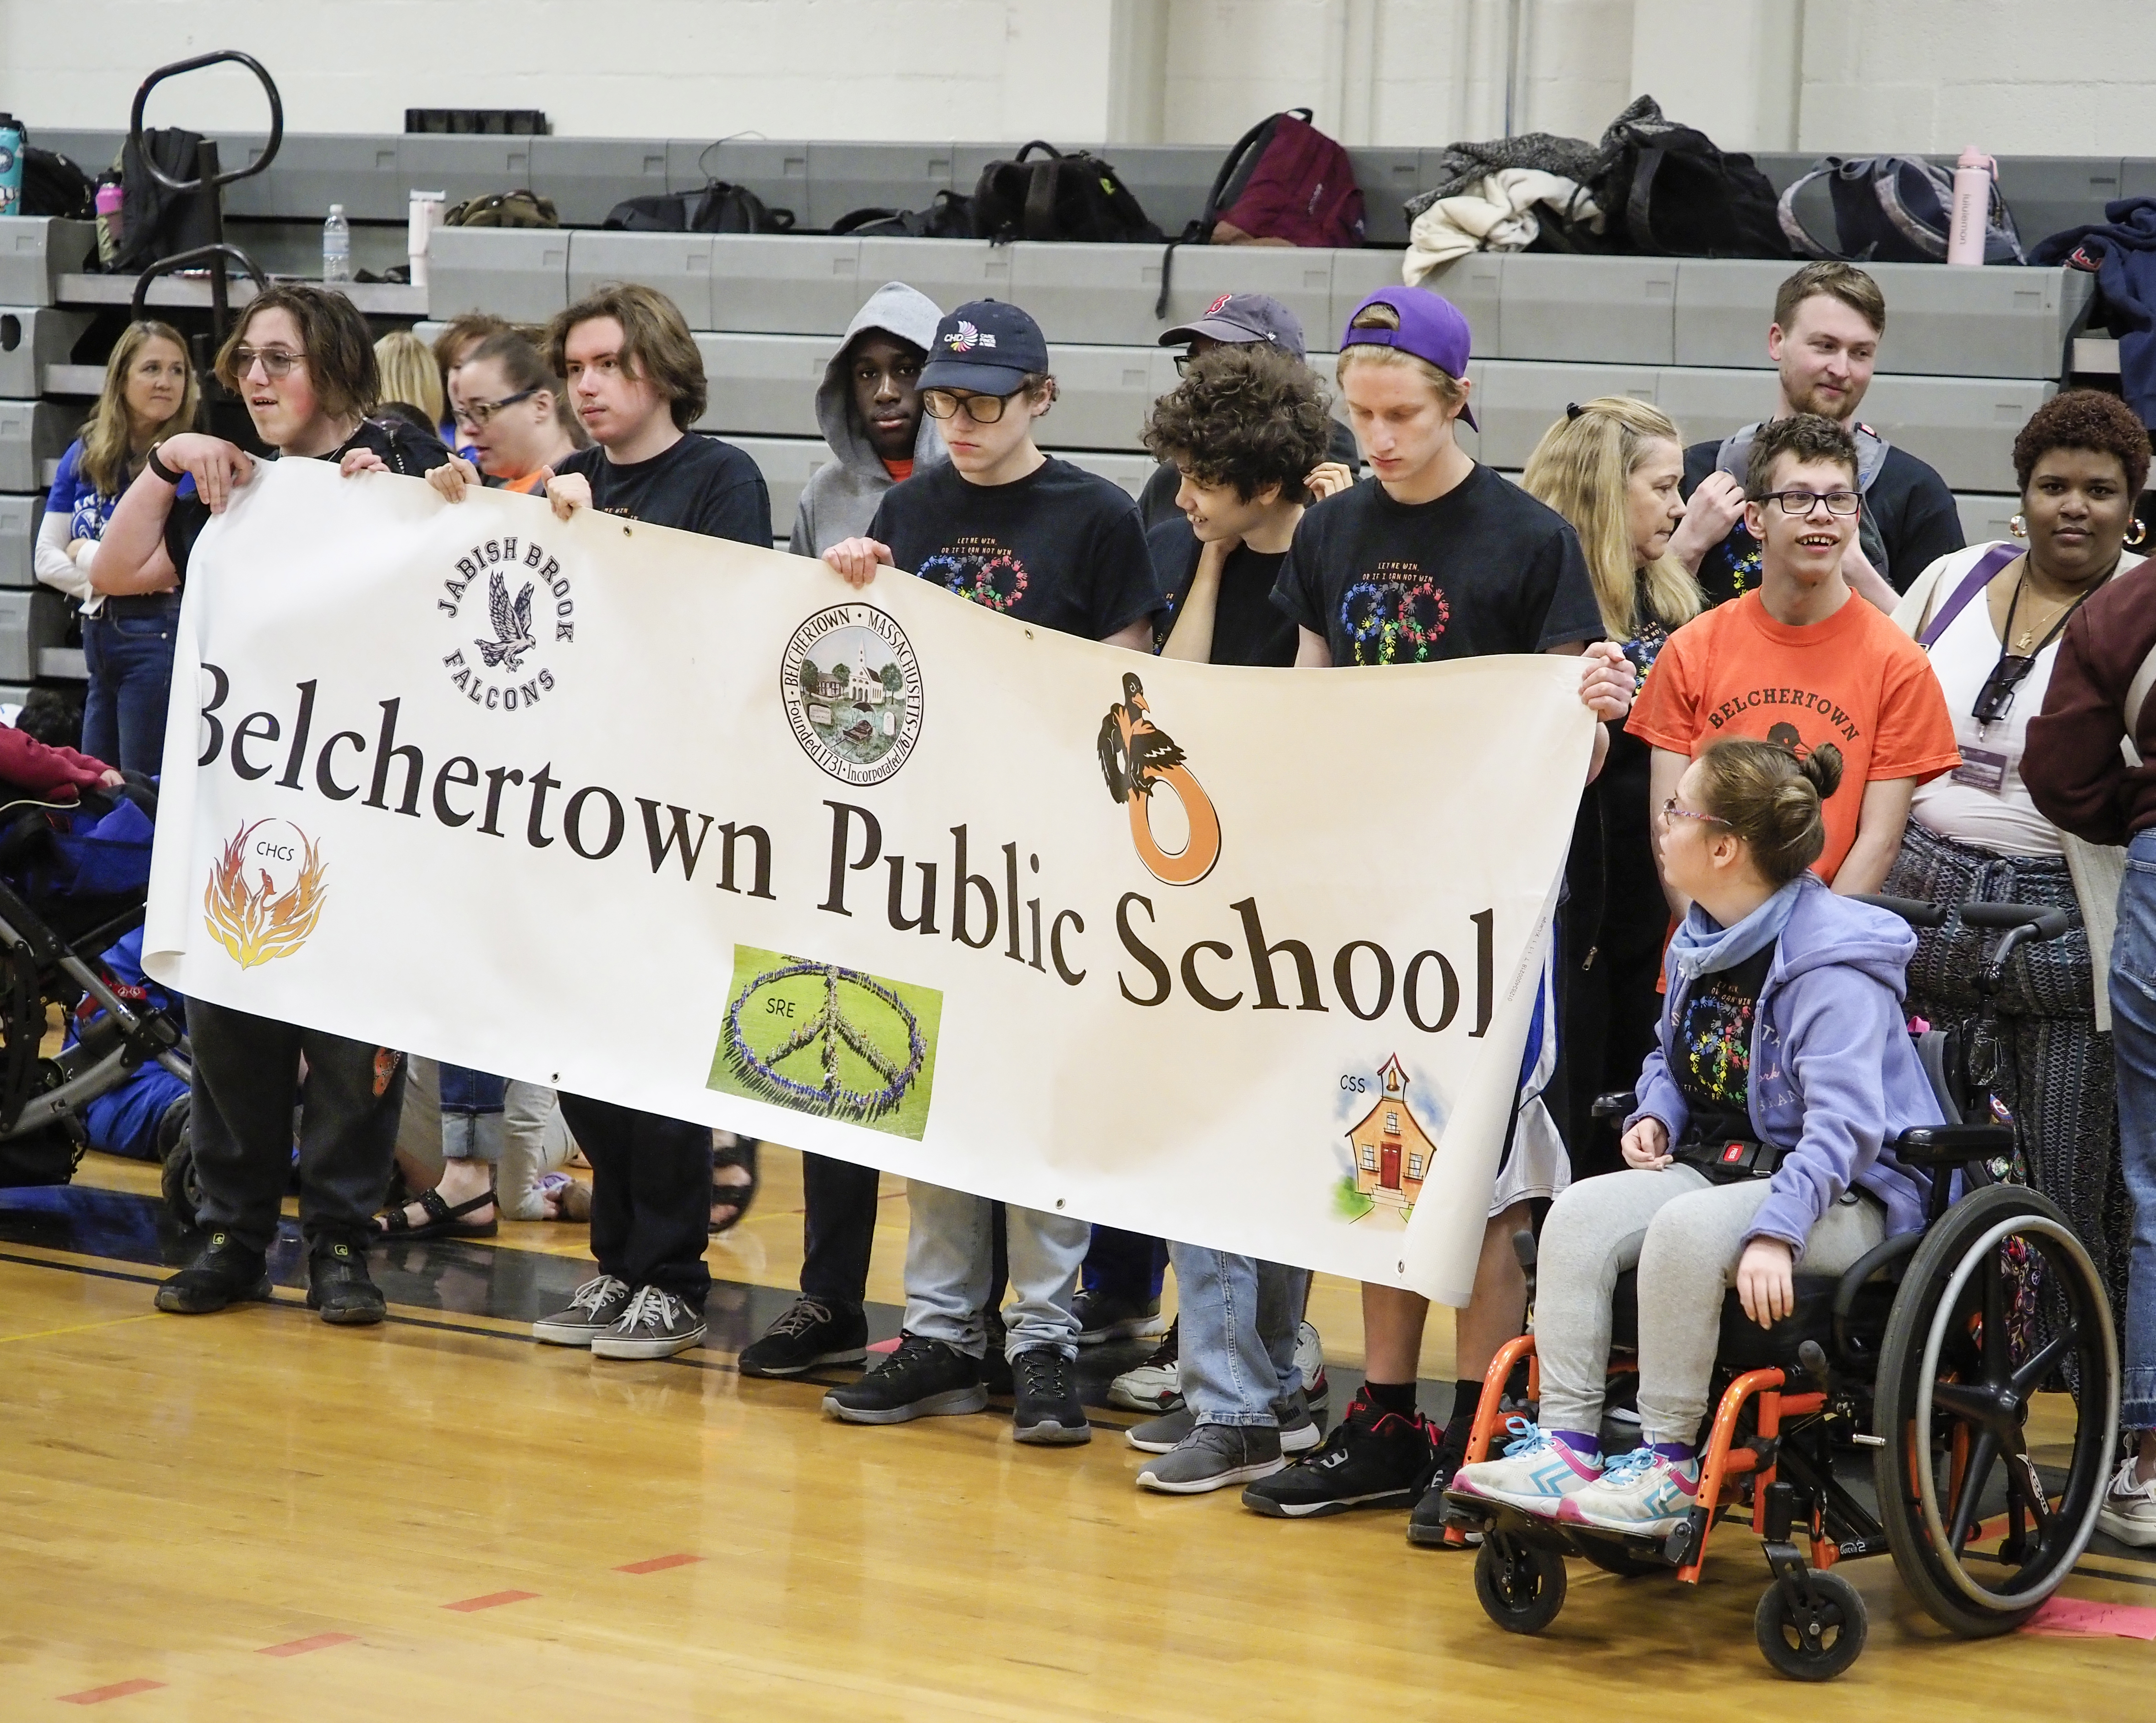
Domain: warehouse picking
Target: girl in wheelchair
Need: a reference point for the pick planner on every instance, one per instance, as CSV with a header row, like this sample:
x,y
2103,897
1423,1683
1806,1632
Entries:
x,y
1755,1142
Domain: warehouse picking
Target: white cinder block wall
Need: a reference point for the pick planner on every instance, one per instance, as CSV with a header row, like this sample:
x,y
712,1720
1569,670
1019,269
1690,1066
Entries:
x,y
1917,75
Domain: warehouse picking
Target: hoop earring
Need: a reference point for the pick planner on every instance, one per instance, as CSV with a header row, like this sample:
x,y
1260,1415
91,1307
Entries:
x,y
2016,525
2137,535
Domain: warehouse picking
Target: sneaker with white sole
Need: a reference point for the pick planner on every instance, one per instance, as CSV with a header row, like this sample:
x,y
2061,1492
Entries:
x,y
594,1307
2128,1513
1102,1317
1310,1360
1298,1431
1535,1473
1643,1492
1155,1386
1212,1457
654,1324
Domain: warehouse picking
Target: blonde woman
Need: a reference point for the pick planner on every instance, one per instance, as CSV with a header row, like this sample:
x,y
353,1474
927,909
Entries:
x,y
409,376
149,394
1612,468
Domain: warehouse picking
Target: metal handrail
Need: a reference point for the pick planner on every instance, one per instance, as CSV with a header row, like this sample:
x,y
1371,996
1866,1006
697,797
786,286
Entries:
x,y
157,77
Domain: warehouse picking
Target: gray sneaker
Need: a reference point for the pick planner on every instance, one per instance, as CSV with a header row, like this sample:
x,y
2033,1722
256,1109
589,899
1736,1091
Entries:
x,y
594,1307
1298,1432
1212,1457
653,1324
1158,1435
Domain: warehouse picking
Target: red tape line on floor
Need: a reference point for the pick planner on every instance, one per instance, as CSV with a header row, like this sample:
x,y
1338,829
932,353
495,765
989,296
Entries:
x,y
118,1689
492,1600
320,1642
656,1563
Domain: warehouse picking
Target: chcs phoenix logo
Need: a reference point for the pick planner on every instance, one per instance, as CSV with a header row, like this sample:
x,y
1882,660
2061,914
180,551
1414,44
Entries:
x,y
1138,757
271,915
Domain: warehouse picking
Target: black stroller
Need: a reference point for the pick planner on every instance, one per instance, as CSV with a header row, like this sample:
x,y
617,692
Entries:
x,y
74,880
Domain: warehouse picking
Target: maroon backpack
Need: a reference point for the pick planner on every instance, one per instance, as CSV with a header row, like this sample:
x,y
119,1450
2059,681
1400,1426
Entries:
x,y
1284,181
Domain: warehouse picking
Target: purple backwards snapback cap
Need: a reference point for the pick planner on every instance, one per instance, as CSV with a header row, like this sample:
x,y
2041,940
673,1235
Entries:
x,y
1431,327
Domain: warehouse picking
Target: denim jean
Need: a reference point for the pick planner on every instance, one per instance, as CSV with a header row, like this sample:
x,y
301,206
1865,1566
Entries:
x,y
1239,1317
950,1263
130,660
2133,1045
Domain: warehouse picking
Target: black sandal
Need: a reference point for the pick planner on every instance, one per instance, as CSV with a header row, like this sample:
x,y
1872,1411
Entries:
x,y
740,1154
442,1222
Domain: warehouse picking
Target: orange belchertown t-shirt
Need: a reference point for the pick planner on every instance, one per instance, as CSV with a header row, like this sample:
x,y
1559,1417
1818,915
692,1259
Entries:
x,y
1854,680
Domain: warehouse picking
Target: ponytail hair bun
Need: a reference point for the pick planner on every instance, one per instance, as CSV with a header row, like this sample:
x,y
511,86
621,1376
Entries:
x,y
1773,800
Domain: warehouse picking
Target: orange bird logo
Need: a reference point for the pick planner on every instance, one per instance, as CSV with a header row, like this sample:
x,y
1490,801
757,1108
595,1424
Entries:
x,y
259,923
1137,758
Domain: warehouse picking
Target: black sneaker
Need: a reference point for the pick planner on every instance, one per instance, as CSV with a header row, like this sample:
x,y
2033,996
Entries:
x,y
593,1308
1047,1410
1101,1318
653,1324
1426,1524
923,1378
226,1273
1373,1460
808,1332
339,1286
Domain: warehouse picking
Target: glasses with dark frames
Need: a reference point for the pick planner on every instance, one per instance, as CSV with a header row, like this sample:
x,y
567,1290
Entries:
x,y
982,409
1802,502
476,413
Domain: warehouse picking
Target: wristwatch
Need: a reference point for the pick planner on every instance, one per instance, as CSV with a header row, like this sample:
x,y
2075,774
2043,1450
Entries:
x,y
150,460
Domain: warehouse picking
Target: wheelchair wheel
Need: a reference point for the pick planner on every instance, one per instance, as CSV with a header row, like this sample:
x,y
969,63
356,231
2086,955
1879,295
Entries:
x,y
1521,1587
1958,1369
182,1187
1815,1643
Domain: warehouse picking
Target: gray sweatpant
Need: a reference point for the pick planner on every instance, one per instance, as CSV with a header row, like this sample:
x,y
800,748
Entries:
x,y
1684,1233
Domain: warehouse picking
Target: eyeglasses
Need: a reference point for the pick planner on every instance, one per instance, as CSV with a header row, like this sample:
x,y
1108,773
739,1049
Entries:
x,y
982,409
476,413
275,362
1672,810
1802,502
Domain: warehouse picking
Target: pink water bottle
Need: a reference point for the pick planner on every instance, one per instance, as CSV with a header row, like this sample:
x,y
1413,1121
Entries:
x,y
1972,207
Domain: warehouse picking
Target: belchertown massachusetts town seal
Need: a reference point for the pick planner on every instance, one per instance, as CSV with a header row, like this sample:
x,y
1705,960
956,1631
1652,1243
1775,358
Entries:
x,y
510,610
852,689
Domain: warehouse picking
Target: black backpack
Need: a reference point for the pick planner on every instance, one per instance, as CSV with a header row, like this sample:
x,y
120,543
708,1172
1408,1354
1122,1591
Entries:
x,y
52,185
718,209
1666,191
948,217
1074,196
155,223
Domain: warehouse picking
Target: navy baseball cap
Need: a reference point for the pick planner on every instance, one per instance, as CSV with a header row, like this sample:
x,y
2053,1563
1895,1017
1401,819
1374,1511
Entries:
x,y
1425,324
987,346
1243,320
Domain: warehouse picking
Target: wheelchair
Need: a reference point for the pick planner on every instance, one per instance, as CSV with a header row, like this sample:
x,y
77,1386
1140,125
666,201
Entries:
x,y
1929,1355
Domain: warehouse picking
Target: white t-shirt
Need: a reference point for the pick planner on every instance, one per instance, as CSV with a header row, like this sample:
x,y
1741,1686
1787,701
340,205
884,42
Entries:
x,y
1983,803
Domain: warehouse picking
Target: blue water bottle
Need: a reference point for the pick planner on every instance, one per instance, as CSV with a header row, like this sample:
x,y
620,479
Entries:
x,y
12,140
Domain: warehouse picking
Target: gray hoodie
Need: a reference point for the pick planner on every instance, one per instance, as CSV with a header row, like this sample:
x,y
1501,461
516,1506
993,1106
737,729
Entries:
x,y
840,499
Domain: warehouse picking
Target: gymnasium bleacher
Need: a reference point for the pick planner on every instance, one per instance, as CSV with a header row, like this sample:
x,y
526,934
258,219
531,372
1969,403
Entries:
x,y
1968,353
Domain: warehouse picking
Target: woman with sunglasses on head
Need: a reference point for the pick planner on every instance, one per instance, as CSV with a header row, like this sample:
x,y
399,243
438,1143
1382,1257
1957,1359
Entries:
x,y
513,414
302,361
1758,1139
1993,619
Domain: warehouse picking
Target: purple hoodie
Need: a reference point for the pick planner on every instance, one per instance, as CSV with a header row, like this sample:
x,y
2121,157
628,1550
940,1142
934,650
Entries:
x,y
1834,1074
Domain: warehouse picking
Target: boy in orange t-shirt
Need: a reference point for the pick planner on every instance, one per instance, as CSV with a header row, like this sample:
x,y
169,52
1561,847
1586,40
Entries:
x,y
1796,661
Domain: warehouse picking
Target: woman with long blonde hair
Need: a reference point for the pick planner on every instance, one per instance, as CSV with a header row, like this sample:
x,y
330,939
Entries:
x,y
149,394
1611,467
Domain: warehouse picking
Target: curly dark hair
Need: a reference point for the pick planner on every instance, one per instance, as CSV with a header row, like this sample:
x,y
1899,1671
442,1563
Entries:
x,y
2084,419
1805,435
1246,416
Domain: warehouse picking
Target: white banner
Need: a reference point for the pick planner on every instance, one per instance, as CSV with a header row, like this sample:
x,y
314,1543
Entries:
x,y
1240,956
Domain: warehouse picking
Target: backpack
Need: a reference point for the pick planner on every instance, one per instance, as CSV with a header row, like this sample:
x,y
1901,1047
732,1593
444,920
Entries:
x,y
1666,191
1892,209
1284,180
52,185
523,208
719,209
1074,196
949,217
156,223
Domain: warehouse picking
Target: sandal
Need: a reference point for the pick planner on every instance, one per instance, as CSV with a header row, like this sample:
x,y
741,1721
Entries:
x,y
741,1153
442,1222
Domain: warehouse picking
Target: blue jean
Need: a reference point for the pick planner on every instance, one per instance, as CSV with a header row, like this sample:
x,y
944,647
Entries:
x,y
130,660
2133,1045
1239,1318
950,1259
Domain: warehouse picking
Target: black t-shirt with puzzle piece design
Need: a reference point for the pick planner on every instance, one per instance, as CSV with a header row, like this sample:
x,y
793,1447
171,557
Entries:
x,y
1713,1065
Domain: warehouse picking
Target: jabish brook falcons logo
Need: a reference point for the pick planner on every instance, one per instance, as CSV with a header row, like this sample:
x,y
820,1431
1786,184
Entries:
x,y
965,338
1137,758
500,659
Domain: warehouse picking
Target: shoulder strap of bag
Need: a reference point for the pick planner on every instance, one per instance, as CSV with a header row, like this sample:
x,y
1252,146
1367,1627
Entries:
x,y
1793,226
1639,214
1038,220
1886,186
1974,582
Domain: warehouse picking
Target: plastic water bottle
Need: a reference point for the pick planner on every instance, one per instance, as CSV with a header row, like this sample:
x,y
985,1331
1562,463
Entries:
x,y
12,138
336,246
1972,207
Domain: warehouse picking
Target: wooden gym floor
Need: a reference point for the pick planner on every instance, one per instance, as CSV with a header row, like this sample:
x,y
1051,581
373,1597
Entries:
x,y
253,1515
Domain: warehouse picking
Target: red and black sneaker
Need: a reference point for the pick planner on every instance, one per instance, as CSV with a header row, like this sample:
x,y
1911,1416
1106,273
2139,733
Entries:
x,y
1374,1459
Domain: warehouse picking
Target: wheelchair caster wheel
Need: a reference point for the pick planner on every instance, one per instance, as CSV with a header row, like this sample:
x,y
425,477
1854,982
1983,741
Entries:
x,y
1815,1643
1520,1587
